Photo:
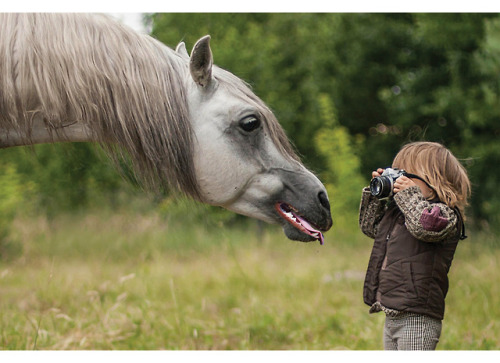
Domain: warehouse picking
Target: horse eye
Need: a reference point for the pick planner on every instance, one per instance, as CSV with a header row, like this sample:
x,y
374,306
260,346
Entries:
x,y
249,123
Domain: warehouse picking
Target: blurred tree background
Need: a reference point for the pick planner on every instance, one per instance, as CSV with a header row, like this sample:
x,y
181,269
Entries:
x,y
349,89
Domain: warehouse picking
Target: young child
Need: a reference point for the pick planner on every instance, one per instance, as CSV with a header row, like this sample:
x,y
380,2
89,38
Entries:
x,y
416,232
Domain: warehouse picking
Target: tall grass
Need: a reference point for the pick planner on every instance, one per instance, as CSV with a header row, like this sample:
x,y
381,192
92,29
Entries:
x,y
139,281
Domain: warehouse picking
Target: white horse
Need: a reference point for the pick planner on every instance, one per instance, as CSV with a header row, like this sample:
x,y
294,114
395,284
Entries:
x,y
180,120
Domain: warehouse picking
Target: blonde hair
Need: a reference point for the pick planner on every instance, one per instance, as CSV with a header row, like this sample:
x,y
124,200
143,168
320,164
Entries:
x,y
440,168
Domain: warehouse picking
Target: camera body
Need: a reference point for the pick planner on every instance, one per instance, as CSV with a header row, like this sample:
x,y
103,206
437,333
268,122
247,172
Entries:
x,y
382,186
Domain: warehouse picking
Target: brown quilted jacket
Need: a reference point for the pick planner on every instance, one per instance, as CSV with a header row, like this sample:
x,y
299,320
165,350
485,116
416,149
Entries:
x,y
414,244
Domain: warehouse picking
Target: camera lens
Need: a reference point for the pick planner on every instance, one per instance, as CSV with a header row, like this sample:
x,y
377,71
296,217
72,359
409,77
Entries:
x,y
375,186
381,186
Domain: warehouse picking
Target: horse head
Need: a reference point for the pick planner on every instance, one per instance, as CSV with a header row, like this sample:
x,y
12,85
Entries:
x,y
242,158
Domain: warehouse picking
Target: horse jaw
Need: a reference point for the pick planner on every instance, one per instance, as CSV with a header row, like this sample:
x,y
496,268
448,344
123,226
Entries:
x,y
288,198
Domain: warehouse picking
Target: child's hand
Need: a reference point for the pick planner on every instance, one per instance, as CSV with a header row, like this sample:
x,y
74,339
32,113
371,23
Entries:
x,y
377,173
402,183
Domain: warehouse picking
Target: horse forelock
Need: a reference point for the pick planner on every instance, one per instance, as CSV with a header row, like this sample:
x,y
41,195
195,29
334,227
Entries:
x,y
127,87
241,89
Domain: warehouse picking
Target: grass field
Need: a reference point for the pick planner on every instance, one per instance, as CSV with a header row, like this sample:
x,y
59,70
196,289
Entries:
x,y
105,281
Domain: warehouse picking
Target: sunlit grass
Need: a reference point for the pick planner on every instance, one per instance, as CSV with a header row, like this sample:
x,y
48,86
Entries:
x,y
129,281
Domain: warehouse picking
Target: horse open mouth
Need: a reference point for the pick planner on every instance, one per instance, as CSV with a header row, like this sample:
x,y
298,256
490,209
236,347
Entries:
x,y
289,213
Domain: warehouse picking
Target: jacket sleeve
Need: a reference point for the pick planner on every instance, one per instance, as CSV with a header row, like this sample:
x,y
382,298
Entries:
x,y
371,211
426,221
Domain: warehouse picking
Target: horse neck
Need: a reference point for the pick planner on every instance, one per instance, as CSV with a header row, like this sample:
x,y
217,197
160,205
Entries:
x,y
39,133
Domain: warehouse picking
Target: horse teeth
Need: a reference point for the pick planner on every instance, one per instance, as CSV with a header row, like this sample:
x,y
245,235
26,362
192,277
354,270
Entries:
x,y
291,217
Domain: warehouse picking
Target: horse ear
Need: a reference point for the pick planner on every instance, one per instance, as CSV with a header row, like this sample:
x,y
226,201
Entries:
x,y
181,49
201,62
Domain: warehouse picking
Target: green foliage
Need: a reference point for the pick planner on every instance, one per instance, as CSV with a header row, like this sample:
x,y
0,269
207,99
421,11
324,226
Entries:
x,y
447,91
14,199
185,210
67,176
342,176
482,130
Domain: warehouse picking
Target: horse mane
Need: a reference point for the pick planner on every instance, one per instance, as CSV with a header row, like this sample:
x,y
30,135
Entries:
x,y
127,87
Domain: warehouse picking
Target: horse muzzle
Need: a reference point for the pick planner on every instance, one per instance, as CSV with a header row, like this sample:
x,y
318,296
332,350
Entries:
x,y
304,215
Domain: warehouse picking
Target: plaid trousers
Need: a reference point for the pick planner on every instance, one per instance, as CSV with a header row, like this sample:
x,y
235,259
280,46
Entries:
x,y
408,331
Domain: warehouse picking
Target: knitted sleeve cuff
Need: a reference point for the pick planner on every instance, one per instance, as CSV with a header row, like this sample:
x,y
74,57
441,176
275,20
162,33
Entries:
x,y
371,210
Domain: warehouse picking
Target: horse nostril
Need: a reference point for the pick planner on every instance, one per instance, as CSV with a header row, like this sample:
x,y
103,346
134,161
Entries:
x,y
323,199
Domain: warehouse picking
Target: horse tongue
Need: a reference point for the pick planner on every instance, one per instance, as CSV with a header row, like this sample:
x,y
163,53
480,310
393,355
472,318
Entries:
x,y
310,230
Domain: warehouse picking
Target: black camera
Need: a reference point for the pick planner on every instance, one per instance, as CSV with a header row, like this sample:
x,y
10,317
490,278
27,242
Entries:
x,y
382,186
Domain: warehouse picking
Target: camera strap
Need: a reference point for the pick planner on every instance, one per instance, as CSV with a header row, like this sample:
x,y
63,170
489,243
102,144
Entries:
x,y
461,219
